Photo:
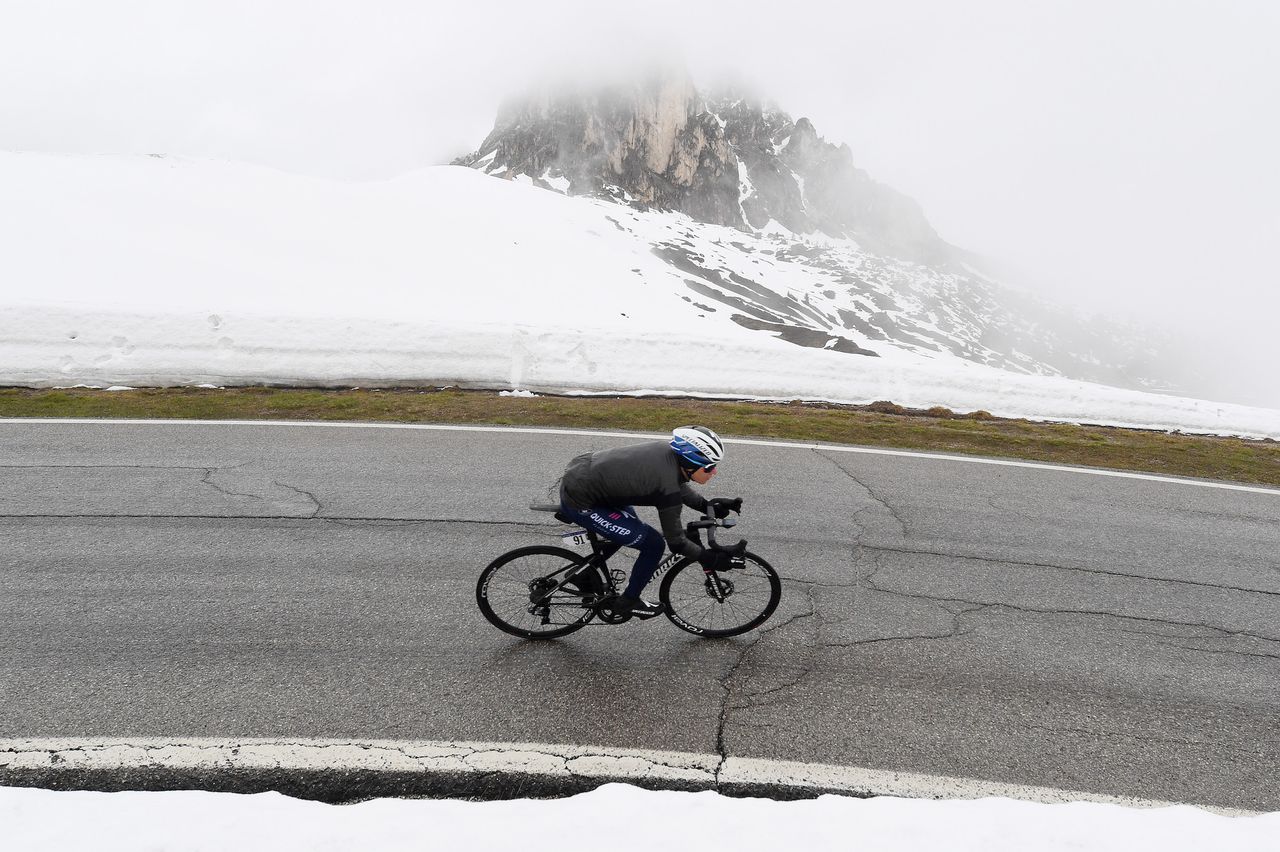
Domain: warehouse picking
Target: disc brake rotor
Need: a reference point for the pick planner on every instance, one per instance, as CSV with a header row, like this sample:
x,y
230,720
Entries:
x,y
538,589
726,586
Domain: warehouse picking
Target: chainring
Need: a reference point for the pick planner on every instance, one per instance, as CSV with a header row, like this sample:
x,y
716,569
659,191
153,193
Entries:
x,y
609,615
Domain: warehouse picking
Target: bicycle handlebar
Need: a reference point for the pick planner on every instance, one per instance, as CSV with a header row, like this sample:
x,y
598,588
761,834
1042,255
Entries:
x,y
709,522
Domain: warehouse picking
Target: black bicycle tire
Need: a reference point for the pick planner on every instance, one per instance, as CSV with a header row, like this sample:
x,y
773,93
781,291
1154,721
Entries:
x,y
775,597
482,597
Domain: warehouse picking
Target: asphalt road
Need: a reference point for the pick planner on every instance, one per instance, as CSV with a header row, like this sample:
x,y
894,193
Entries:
x,y
1017,624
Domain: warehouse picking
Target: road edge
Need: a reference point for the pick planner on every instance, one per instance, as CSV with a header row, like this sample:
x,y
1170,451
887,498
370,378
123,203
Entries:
x,y
343,771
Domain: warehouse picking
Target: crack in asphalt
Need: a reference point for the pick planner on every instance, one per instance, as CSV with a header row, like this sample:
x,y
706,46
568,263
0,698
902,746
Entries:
x,y
865,582
966,606
1160,639
881,502
877,500
868,581
726,704
968,557
752,698
207,479
304,493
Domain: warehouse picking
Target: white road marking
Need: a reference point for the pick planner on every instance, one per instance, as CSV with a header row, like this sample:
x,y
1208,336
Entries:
x,y
832,448
537,759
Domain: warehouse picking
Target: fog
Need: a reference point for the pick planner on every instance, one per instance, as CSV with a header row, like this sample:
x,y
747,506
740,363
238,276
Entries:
x,y
1117,156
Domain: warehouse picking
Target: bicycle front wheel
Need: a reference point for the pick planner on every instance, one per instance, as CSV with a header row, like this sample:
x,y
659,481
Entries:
x,y
724,603
511,593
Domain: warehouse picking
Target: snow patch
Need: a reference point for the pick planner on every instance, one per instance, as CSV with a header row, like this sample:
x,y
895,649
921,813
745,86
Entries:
x,y
559,183
745,187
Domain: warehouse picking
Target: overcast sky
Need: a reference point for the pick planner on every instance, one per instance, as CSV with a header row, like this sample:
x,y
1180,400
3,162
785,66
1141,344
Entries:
x,y
1120,155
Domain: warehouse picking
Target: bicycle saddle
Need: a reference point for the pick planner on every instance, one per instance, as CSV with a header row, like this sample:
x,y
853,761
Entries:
x,y
552,507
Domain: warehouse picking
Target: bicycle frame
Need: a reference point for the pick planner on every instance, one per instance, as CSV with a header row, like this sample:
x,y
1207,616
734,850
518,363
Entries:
x,y
599,556
601,551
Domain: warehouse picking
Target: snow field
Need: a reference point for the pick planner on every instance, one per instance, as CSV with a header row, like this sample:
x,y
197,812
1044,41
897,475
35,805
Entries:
x,y
169,271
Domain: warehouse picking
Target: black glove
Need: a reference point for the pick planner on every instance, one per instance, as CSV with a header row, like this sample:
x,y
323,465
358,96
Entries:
x,y
714,560
722,506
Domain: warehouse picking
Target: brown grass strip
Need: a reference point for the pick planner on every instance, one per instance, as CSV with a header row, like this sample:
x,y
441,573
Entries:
x,y
880,424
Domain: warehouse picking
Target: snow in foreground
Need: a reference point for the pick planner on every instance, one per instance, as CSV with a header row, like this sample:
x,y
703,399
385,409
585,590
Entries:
x,y
617,816
146,271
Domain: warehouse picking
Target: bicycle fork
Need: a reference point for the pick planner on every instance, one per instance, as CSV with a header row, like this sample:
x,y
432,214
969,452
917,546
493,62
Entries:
x,y
715,586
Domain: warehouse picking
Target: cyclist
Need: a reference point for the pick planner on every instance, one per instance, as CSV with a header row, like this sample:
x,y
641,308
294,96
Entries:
x,y
600,491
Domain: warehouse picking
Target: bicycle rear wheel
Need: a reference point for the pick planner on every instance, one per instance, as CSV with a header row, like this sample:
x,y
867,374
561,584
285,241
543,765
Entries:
x,y
511,590
751,594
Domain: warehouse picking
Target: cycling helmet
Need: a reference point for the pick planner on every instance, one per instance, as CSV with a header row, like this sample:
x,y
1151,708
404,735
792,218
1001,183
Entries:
x,y
697,446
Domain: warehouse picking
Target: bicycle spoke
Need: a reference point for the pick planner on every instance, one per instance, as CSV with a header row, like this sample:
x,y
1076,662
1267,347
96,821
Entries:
x,y
528,578
744,597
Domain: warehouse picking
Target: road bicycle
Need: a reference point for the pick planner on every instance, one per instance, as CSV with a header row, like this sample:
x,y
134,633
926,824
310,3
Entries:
x,y
544,592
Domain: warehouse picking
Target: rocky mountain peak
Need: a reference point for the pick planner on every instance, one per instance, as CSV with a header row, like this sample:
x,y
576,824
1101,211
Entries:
x,y
728,160
651,143
804,133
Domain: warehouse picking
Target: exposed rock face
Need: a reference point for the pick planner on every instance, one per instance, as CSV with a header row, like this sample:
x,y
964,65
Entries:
x,y
844,200
653,143
769,189
728,161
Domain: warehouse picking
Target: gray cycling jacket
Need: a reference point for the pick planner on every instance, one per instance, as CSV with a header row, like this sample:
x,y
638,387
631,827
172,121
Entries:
x,y
639,475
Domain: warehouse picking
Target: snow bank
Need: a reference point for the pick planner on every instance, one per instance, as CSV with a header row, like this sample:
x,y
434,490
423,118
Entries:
x,y
161,271
57,346
620,816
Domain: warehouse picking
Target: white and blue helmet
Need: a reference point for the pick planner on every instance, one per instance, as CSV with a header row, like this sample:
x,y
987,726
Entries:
x,y
697,446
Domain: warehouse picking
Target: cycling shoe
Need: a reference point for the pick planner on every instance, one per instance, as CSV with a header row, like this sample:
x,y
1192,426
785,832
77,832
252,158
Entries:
x,y
636,607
